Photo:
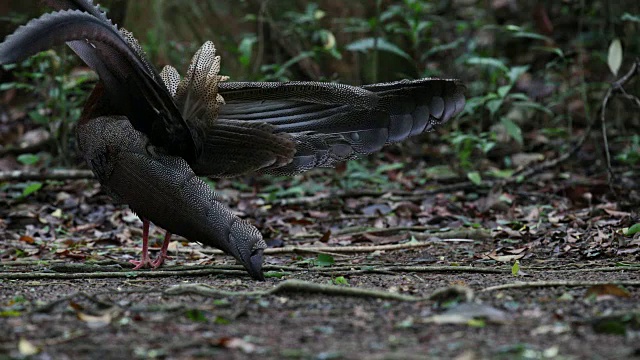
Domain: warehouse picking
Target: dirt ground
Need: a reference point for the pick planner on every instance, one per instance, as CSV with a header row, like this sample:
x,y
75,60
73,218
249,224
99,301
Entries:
x,y
355,270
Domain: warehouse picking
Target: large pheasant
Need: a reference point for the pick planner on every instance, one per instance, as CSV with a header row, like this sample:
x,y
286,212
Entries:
x,y
147,136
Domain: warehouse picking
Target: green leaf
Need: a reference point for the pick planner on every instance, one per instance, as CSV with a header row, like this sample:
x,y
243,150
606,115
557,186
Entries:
x,y
367,44
219,320
6,86
444,47
477,323
530,35
195,315
340,280
38,118
493,106
614,59
31,188
550,49
610,326
221,302
28,159
512,129
633,229
519,32
9,313
489,62
501,173
275,274
324,260
504,90
630,17
474,177
406,323
245,49
389,167
535,106
515,269
517,71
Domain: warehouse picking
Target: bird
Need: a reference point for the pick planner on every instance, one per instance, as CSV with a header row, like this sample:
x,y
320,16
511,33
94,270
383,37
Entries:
x,y
150,136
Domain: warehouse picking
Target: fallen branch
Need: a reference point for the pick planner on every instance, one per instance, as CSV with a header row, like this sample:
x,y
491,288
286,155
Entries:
x,y
296,286
49,306
558,283
92,271
121,275
464,235
349,249
42,175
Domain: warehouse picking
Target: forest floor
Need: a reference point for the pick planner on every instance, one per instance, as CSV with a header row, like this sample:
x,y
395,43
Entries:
x,y
368,262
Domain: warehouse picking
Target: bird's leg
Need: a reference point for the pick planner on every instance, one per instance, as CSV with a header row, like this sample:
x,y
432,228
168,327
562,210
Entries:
x,y
144,261
163,251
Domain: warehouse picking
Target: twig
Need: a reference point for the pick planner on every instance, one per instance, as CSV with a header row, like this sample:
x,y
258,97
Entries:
x,y
291,286
368,230
124,274
41,175
616,87
337,270
238,270
30,149
465,235
353,249
539,168
570,283
392,195
47,307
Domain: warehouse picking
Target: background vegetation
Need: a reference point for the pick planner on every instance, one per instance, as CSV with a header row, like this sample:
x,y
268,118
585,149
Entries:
x,y
536,71
501,235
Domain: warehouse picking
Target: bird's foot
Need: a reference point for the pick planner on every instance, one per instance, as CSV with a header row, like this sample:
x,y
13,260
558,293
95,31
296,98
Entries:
x,y
160,260
143,263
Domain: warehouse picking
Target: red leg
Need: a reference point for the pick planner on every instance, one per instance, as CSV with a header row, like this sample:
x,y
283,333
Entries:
x,y
144,261
163,251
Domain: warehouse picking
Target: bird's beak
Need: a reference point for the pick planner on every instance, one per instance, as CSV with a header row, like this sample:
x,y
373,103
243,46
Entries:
x,y
253,264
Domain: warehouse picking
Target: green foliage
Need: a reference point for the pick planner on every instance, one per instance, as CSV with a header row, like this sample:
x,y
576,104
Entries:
x,y
196,315
340,280
324,260
28,159
363,42
515,268
631,153
47,76
307,25
635,228
381,44
275,274
466,145
31,188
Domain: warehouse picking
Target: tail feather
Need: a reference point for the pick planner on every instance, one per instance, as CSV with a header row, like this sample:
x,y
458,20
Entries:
x,y
197,94
332,122
83,5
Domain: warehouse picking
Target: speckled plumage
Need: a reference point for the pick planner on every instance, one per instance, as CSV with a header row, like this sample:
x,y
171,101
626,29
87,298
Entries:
x,y
148,135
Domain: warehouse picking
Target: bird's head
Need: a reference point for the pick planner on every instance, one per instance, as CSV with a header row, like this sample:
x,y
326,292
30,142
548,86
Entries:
x,y
247,246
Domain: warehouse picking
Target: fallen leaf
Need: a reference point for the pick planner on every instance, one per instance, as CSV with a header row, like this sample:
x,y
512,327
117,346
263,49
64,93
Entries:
x,y
27,348
27,239
617,214
468,312
236,343
608,289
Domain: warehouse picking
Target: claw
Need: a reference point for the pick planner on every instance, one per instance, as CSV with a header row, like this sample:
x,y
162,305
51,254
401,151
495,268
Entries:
x,y
160,260
139,264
